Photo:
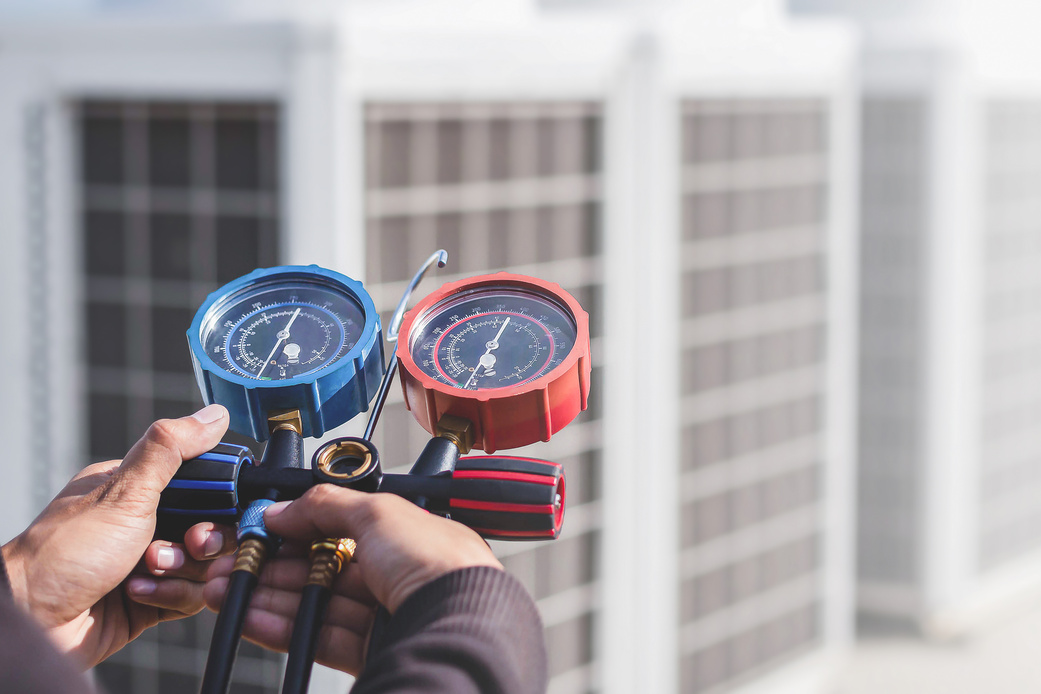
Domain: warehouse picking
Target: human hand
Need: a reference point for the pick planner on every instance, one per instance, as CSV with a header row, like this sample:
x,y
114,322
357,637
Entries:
x,y
400,548
68,566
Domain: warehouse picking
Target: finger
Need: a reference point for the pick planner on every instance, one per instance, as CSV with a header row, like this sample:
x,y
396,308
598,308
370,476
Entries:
x,y
350,582
220,568
213,592
294,548
154,459
279,573
329,511
291,574
342,612
175,594
209,540
288,552
341,649
337,648
323,511
169,559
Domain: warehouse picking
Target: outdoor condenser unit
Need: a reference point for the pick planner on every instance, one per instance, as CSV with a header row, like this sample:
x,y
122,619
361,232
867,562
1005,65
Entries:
x,y
685,169
949,491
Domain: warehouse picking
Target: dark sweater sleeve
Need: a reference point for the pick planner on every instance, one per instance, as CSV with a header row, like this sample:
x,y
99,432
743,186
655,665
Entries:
x,y
29,664
473,630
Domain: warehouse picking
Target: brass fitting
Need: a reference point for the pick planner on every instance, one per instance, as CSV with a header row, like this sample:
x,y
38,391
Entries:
x,y
328,557
328,453
251,555
285,419
458,430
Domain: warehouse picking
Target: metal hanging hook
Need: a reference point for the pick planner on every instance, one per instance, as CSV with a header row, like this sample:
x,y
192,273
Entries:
x,y
440,257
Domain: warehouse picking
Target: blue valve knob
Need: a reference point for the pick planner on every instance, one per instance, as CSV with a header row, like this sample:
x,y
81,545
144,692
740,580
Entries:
x,y
204,489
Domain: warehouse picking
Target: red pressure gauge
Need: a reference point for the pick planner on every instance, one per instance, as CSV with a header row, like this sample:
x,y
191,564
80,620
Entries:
x,y
507,352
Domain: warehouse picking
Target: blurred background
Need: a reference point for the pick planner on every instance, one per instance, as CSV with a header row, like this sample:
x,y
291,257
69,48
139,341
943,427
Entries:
x,y
808,234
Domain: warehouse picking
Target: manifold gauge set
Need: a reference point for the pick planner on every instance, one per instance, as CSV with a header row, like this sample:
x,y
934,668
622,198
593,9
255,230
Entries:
x,y
490,363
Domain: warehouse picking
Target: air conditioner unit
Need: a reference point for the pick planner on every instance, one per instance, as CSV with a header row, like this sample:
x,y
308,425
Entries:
x,y
949,495
685,170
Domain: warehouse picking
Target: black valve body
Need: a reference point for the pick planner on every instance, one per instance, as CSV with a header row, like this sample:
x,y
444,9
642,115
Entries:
x,y
501,497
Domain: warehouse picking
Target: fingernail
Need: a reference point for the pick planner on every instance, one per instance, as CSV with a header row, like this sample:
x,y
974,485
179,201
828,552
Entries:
x,y
141,586
210,413
169,558
213,545
275,509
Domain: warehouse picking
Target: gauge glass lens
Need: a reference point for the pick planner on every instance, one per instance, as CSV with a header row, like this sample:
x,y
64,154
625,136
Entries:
x,y
492,338
282,329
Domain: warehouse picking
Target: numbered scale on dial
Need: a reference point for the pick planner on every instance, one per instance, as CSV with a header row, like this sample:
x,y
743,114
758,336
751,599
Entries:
x,y
283,331
288,338
507,352
493,339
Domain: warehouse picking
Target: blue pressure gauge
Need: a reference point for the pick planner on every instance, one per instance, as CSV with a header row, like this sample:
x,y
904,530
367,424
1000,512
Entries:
x,y
288,338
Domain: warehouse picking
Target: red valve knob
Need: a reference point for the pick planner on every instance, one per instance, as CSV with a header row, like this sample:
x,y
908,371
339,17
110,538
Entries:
x,y
509,498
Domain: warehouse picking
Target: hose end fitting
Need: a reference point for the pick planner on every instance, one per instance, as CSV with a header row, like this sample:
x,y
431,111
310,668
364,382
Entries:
x,y
328,557
251,555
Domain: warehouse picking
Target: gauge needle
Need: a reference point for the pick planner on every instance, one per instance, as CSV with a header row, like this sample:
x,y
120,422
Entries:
x,y
487,360
282,335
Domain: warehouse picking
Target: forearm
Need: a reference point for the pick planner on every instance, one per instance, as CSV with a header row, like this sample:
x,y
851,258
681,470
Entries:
x,y
474,630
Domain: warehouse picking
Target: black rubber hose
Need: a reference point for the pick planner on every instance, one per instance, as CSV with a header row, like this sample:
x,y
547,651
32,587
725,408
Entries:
x,y
284,450
226,634
304,641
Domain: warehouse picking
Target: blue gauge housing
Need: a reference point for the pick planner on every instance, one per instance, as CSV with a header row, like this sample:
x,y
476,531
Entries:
x,y
288,338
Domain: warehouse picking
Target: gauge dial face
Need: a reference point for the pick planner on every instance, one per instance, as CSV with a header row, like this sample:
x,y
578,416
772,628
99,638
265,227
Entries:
x,y
492,338
282,329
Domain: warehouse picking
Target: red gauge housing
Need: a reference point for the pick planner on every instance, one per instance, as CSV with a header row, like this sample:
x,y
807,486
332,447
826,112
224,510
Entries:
x,y
503,417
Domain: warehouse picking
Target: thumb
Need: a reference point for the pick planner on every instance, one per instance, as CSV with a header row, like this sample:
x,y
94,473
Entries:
x,y
323,511
155,458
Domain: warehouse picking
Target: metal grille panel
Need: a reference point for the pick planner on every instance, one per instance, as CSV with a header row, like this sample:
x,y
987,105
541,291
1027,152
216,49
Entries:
x,y
754,181
176,198
1010,479
893,271
502,186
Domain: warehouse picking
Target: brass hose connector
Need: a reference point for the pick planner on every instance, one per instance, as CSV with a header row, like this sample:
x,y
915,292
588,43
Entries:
x,y
251,555
328,557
